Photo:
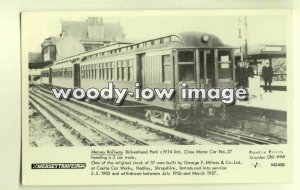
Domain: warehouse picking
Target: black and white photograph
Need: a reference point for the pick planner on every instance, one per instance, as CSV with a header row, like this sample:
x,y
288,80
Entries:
x,y
156,97
100,56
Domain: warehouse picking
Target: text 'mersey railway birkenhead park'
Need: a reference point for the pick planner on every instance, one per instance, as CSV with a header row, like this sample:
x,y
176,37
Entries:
x,y
226,95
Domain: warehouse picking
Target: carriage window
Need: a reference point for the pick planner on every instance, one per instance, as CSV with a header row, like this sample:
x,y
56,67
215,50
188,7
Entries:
x,y
86,72
224,56
186,56
125,70
224,64
108,71
92,73
130,70
119,70
104,73
68,72
166,69
112,71
187,72
101,71
65,73
95,71
82,72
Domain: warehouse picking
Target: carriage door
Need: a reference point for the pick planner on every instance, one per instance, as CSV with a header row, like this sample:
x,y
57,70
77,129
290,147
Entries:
x,y
76,75
224,69
207,68
50,76
140,69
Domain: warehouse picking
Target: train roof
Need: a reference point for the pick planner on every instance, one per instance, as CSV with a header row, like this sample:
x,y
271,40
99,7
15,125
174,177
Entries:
x,y
185,39
199,39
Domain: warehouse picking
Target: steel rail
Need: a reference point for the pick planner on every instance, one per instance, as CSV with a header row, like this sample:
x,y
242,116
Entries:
x,y
82,122
97,121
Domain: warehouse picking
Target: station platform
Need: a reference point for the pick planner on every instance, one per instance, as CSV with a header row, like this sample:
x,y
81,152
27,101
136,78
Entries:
x,y
277,85
276,100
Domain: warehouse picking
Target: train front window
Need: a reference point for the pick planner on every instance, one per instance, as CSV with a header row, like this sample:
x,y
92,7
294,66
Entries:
x,y
224,64
186,56
187,72
186,65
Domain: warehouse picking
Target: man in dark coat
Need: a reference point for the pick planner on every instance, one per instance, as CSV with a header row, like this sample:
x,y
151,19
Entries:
x,y
249,73
238,75
267,75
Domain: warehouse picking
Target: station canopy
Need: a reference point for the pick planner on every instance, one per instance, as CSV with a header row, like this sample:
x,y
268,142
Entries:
x,y
264,51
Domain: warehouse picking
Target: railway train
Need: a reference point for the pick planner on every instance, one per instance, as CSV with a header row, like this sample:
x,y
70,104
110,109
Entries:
x,y
201,60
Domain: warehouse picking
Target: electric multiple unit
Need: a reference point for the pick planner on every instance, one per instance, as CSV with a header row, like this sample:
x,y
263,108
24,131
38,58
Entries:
x,y
200,60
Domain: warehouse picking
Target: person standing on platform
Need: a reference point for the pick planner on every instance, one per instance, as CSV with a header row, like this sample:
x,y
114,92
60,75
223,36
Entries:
x,y
267,75
241,75
249,73
238,75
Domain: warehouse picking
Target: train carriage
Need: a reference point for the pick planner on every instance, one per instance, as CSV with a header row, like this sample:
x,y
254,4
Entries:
x,y
62,75
200,60
46,76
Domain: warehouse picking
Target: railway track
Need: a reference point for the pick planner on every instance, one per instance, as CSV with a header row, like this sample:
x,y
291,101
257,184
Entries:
x,y
89,131
253,139
271,138
178,137
89,115
77,137
224,138
238,138
218,135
